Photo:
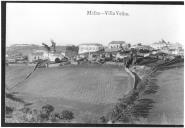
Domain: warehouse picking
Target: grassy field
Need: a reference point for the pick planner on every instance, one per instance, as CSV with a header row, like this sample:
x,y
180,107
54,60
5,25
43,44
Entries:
x,y
169,106
81,88
92,90
88,83
16,73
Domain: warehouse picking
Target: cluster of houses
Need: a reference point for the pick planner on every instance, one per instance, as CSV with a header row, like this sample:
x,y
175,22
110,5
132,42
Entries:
x,y
58,53
169,48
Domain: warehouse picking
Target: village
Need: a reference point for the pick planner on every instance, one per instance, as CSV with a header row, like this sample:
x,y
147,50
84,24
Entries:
x,y
94,84
116,51
92,64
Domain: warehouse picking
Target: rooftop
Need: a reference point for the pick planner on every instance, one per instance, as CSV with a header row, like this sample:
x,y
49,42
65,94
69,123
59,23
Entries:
x,y
117,42
91,44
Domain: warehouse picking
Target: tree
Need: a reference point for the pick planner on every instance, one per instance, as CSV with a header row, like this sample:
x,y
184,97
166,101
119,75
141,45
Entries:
x,y
57,60
66,115
45,112
47,109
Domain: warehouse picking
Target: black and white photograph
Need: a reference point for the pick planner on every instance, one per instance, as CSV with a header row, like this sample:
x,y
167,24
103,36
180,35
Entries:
x,y
92,63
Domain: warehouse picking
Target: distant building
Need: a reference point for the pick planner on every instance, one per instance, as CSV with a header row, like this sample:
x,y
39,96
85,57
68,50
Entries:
x,y
154,51
145,47
140,46
90,48
181,52
69,50
175,48
117,45
10,59
37,55
43,55
159,45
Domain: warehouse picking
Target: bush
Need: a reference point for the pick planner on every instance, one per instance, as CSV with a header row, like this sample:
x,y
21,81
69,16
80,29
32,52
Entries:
x,y
45,112
53,117
103,119
28,115
47,109
66,115
25,110
57,60
43,117
8,110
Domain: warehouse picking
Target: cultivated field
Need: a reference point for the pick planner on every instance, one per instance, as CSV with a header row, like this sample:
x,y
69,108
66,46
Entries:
x,y
78,87
88,83
15,74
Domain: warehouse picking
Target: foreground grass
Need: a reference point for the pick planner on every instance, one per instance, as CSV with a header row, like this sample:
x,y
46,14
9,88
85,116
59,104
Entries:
x,y
18,111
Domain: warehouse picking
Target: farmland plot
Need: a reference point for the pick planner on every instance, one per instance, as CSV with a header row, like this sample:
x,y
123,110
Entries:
x,y
89,91
96,84
16,74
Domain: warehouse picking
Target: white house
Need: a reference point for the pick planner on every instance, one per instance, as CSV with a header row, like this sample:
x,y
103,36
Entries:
x,y
89,48
43,55
176,49
54,56
117,45
37,54
173,48
158,45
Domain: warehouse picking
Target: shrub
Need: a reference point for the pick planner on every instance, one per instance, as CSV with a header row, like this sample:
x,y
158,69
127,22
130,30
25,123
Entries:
x,y
47,109
8,110
45,112
66,115
53,117
43,117
28,115
57,60
25,110
103,119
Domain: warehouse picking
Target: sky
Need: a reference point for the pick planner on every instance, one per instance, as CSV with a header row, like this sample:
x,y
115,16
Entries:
x,y
35,23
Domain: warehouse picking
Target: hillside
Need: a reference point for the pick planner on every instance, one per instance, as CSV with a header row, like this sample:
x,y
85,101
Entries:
x,y
23,49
